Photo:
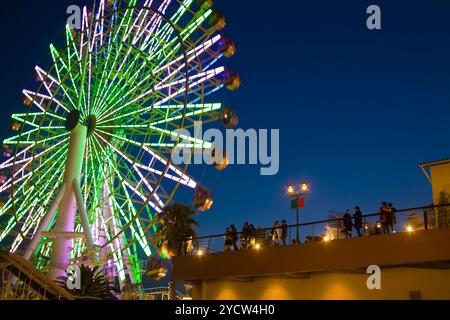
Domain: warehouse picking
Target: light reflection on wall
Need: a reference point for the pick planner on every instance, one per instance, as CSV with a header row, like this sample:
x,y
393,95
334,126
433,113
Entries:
x,y
227,293
275,292
338,289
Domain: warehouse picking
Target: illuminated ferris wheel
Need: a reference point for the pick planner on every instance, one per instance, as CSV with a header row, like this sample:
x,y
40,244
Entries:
x,y
89,166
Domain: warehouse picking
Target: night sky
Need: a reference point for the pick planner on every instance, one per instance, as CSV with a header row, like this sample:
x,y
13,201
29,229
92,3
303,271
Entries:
x,y
357,109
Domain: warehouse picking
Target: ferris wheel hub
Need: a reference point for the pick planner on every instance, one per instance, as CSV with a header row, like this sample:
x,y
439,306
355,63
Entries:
x,y
91,122
72,120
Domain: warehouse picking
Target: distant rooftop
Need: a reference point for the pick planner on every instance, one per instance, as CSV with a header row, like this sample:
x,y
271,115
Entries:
x,y
434,163
426,165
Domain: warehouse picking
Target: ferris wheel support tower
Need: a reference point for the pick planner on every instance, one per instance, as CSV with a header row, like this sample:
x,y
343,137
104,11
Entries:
x,y
68,200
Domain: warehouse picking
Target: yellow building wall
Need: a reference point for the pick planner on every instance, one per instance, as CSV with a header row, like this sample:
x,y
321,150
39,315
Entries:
x,y
440,177
396,284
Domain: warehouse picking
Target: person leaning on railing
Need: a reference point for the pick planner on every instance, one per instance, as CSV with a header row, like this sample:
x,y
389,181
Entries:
x,y
245,236
284,232
358,221
392,217
384,217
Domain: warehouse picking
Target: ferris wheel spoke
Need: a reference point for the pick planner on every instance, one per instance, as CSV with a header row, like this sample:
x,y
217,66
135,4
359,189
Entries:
x,y
184,34
98,26
141,180
167,113
160,29
51,83
72,51
29,221
140,20
22,157
26,177
24,204
128,202
117,98
19,155
63,70
126,84
29,138
176,176
14,219
38,100
115,248
29,181
113,57
140,237
192,55
194,142
131,83
166,31
34,219
200,79
34,119
195,81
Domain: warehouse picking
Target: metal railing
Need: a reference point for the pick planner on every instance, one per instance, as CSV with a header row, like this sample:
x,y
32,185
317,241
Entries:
x,y
160,293
405,220
20,280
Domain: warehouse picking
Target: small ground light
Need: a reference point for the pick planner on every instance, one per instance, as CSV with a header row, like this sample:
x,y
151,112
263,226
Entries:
x,y
409,228
257,246
326,239
162,273
200,252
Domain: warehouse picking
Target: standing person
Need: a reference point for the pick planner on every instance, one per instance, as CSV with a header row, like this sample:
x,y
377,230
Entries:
x,y
234,237
276,234
227,246
384,219
393,217
189,246
284,231
244,236
358,221
347,220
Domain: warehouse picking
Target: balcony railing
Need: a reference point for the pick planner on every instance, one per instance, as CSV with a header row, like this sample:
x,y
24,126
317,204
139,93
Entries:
x,y
406,220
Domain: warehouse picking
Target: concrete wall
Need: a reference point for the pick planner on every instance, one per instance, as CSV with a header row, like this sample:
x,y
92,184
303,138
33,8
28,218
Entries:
x,y
354,254
416,261
396,284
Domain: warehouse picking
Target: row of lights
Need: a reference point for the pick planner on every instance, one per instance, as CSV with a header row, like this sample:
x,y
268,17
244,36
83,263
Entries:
x,y
200,252
408,228
327,238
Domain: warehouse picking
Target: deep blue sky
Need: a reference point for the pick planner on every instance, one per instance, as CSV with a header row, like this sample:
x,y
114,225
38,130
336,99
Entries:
x,y
357,109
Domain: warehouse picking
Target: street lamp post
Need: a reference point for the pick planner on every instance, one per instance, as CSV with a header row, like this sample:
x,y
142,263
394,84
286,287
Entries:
x,y
297,195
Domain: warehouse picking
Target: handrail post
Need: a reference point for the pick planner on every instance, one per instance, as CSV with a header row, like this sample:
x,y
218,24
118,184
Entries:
x,y
425,219
209,245
338,229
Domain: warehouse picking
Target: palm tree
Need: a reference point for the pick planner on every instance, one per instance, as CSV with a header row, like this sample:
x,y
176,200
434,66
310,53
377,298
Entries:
x,y
93,284
175,224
